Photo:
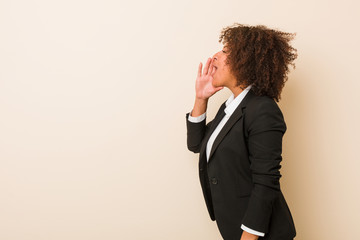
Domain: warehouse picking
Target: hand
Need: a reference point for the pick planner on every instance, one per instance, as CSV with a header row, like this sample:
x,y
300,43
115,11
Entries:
x,y
204,88
248,236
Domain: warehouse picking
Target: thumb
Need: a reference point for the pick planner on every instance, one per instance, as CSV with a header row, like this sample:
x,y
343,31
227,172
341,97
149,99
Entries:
x,y
218,88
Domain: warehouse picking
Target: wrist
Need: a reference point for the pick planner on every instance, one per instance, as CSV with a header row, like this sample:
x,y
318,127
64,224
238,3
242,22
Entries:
x,y
248,236
200,107
201,99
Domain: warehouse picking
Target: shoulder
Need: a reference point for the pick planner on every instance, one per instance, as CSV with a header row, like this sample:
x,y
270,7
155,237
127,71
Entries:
x,y
258,104
263,110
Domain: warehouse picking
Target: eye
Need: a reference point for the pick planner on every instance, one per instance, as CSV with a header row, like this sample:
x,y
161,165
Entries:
x,y
223,51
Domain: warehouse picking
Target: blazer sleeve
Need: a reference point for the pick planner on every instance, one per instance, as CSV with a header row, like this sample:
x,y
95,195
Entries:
x,y
265,131
196,133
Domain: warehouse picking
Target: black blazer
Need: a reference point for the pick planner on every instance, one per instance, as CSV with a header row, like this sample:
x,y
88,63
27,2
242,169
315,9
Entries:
x,y
240,182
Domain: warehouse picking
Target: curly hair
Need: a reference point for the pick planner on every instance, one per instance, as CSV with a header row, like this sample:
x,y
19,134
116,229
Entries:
x,y
259,56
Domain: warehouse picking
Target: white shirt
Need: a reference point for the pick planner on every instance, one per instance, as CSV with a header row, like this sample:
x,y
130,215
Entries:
x,y
231,105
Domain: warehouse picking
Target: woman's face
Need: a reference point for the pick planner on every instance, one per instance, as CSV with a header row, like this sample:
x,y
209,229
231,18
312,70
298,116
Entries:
x,y
222,75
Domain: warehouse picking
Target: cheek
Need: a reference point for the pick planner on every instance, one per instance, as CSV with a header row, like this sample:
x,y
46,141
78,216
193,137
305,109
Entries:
x,y
226,70
217,73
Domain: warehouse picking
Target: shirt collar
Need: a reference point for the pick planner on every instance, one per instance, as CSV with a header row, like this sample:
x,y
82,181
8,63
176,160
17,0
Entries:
x,y
232,104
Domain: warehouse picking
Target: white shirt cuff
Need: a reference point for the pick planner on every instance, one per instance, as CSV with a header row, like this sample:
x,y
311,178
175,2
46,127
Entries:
x,y
243,227
198,118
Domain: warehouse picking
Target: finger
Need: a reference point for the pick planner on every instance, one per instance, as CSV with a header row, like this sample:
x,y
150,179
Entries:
x,y
206,69
213,70
218,89
200,69
211,67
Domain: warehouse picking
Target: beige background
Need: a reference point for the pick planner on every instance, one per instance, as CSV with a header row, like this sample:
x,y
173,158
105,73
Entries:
x,y
93,97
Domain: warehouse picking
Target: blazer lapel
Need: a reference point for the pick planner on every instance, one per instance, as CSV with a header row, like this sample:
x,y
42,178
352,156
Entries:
x,y
237,115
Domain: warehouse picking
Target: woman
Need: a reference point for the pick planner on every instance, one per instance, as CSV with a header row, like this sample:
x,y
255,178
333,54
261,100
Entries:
x,y
240,149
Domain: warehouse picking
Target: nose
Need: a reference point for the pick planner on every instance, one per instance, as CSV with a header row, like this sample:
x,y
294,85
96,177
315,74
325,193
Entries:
x,y
215,57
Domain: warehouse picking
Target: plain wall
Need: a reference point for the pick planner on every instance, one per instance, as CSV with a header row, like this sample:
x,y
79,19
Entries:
x,y
93,97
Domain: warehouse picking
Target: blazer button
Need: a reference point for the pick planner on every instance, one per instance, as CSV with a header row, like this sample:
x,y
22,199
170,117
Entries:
x,y
201,169
214,181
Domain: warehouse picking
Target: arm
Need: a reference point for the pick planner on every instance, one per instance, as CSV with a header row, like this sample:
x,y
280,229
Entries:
x,y
204,90
196,130
265,133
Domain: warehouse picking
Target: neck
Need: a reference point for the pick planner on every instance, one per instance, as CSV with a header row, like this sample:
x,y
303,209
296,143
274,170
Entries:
x,y
236,90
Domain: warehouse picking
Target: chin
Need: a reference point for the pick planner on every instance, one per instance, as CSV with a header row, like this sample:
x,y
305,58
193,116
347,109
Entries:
x,y
216,84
